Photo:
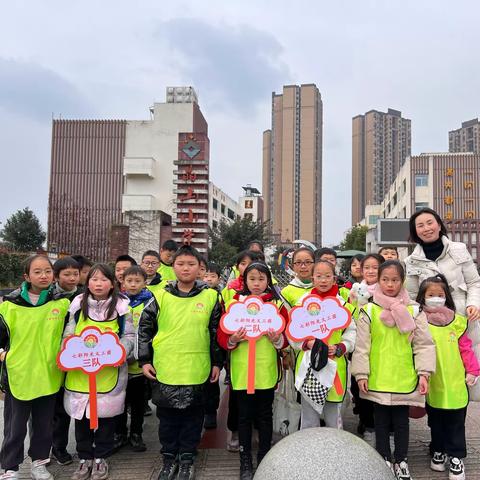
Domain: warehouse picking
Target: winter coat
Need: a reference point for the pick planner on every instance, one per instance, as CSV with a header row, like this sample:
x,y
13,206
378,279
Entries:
x,y
455,263
110,404
424,359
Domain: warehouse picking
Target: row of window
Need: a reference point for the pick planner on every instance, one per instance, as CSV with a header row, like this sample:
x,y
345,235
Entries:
x,y
230,213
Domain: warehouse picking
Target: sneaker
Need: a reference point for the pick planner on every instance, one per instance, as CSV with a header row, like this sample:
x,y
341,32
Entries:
x,y
438,462
148,411
186,468
457,469
100,469
39,470
389,464
119,441
233,445
9,475
62,457
170,467
137,443
210,421
246,467
83,470
401,471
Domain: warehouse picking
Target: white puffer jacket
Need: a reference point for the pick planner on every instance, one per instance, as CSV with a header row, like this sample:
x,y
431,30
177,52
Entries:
x,y
456,264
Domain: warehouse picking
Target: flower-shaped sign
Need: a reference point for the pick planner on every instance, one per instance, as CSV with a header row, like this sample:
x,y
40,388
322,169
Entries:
x,y
257,318
89,352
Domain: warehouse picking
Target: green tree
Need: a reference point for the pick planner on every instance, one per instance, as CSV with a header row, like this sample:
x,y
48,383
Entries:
x,y
11,269
22,231
227,239
355,239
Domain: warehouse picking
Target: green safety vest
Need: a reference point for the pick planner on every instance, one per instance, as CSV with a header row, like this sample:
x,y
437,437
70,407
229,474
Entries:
x,y
35,338
266,363
134,368
166,272
447,385
156,288
344,292
181,347
227,295
342,366
392,366
292,293
107,377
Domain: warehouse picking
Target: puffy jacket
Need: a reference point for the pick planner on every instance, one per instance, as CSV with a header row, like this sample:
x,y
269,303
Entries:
x,y
456,264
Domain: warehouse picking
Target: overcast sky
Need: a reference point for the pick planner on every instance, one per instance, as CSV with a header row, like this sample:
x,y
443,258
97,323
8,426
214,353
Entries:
x,y
114,58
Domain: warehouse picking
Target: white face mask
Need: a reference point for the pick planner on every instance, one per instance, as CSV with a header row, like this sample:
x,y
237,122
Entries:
x,y
435,301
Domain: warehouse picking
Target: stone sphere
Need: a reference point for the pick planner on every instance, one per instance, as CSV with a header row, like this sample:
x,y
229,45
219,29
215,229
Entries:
x,y
316,453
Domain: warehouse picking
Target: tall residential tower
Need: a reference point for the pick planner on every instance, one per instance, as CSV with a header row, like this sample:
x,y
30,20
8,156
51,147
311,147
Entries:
x,y
466,138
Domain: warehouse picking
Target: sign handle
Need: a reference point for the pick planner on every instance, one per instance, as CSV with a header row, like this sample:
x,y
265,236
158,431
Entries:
x,y
92,381
337,383
252,344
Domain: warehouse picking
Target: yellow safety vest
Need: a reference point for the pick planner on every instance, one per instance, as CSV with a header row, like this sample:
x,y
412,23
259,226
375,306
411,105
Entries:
x,y
134,368
35,338
293,293
447,385
166,272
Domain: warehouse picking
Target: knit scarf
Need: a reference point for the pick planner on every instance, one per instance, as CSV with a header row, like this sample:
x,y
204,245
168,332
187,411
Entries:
x,y
395,311
439,316
371,288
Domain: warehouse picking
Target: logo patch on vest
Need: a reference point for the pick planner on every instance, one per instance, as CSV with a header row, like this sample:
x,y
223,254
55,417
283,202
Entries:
x,y
452,337
199,308
54,313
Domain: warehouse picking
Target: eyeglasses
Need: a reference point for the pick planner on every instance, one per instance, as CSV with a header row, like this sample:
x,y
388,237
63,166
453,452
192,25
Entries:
x,y
151,264
306,263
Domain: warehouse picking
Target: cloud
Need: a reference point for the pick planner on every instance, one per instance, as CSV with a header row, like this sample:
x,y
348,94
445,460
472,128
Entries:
x,y
235,66
36,92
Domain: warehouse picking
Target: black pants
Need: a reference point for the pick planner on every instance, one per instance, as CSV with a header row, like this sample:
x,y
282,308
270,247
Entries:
x,y
180,429
447,428
255,407
387,419
363,408
16,414
61,424
212,393
136,399
94,443
232,419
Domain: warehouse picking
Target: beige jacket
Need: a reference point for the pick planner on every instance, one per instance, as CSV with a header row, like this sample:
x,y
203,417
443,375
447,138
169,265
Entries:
x,y
456,264
424,358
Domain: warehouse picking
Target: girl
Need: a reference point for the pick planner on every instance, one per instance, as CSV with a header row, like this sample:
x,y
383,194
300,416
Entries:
x,y
339,344
104,307
369,266
30,317
302,261
258,406
355,270
392,362
457,367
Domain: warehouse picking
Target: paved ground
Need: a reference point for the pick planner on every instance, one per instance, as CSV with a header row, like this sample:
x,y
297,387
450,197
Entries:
x,y
214,462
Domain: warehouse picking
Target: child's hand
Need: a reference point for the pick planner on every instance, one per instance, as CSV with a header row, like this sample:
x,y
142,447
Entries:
x,y
149,371
473,313
273,336
238,336
363,385
470,379
332,350
422,385
309,344
2,356
214,375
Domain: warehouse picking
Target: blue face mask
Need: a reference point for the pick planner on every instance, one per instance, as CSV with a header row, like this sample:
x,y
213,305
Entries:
x,y
435,301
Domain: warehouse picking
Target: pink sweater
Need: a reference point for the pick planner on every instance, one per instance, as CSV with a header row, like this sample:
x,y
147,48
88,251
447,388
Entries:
x,y
469,359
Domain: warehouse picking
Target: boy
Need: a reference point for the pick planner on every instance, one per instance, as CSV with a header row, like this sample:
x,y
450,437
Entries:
x,y
178,351
150,263
166,257
389,253
67,276
212,276
135,283
122,263
85,265
203,269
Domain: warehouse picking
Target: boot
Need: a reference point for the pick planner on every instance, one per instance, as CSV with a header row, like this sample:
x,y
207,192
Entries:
x,y
246,466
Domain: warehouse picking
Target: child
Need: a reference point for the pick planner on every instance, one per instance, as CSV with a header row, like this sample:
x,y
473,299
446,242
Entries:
x,y
355,270
134,281
121,264
149,264
388,253
340,343
67,276
330,255
203,269
104,307
392,362
457,367
303,260
258,406
178,351
369,266
85,265
212,276
30,316
167,253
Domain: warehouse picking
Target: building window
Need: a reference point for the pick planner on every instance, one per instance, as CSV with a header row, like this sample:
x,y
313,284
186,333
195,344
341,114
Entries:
x,y
404,184
248,204
420,205
421,180
231,214
222,209
215,204
372,219
214,225
404,212
394,199
248,216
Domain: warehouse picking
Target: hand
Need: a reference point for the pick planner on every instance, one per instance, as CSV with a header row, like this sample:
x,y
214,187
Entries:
x,y
470,379
309,345
473,313
273,336
149,371
238,336
363,385
2,356
422,385
332,350
214,376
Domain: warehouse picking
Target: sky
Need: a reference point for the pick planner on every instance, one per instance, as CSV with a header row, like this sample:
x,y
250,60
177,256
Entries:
x,y
114,59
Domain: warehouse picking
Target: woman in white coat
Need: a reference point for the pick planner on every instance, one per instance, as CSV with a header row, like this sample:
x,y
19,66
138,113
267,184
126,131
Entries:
x,y
436,253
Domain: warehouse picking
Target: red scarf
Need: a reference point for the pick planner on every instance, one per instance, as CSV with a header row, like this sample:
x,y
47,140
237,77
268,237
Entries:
x,y
333,292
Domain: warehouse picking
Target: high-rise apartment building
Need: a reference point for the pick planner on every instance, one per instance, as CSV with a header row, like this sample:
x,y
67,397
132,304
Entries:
x,y
465,139
292,164
380,144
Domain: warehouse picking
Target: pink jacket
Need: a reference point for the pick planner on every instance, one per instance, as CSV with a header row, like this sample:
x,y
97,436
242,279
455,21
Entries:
x,y
469,359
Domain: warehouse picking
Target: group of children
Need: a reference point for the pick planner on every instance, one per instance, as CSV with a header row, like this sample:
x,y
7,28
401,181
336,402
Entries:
x,y
166,312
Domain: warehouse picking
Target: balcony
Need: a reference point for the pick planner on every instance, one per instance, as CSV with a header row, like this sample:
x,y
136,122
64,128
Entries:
x,y
136,202
138,166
